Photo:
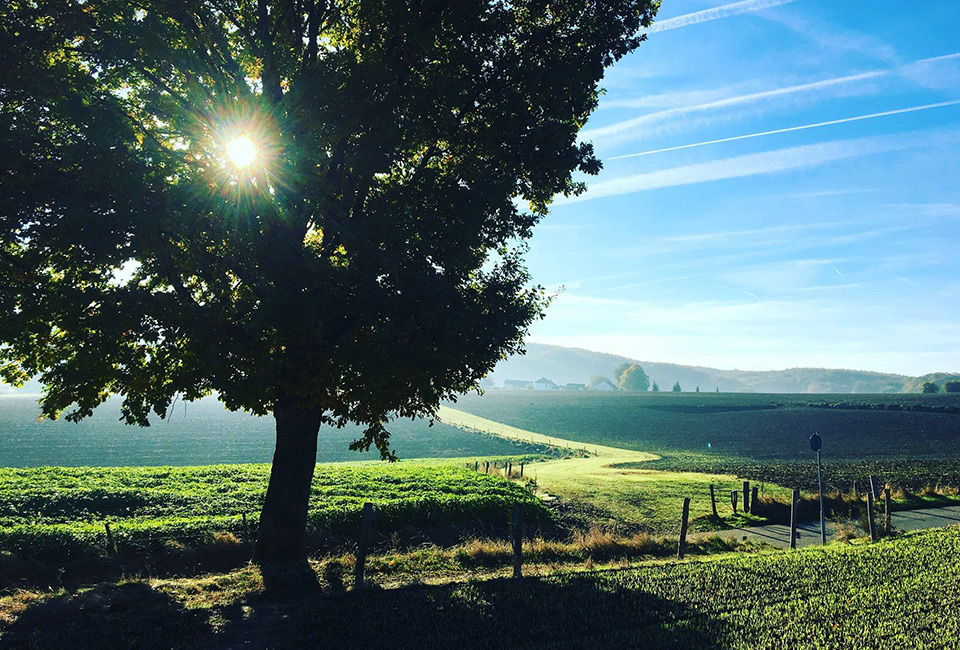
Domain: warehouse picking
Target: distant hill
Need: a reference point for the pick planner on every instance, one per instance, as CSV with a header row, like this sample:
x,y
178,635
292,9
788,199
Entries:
x,y
573,365
576,366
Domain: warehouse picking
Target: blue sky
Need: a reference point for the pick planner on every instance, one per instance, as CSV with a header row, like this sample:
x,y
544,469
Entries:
x,y
829,246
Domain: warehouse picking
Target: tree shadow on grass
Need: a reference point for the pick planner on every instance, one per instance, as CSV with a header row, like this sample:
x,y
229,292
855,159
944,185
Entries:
x,y
129,615
587,611
593,610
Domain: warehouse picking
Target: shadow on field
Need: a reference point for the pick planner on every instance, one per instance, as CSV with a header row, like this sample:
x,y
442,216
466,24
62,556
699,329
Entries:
x,y
130,615
571,612
588,611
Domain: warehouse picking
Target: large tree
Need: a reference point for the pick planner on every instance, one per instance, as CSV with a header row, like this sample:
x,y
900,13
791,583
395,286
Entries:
x,y
314,208
633,378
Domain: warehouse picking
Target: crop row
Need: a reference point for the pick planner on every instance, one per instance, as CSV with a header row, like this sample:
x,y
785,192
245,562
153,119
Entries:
x,y
745,426
900,593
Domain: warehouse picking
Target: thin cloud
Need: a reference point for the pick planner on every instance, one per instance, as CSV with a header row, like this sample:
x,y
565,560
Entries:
x,y
763,163
724,11
627,128
675,278
803,127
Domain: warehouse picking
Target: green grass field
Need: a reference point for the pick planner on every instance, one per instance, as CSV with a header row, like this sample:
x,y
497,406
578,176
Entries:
x,y
909,440
59,513
205,433
898,593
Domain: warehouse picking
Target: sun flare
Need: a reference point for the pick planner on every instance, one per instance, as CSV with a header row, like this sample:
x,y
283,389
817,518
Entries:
x,y
241,151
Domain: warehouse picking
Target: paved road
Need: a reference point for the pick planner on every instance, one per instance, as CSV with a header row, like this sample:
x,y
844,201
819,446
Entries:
x,y
809,532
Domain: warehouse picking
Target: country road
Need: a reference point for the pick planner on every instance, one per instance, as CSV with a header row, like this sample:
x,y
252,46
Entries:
x,y
809,531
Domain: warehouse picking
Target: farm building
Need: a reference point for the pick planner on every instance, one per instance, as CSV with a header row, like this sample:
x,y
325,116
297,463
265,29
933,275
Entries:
x,y
603,385
545,384
517,384
575,387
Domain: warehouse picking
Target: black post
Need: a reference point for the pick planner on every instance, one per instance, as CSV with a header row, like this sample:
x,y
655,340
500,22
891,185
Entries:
x,y
794,505
746,497
874,486
682,546
111,542
886,510
873,529
364,540
733,500
713,502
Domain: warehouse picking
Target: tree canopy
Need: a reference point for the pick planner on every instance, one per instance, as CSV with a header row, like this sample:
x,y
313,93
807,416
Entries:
x,y
930,387
362,263
360,259
676,387
633,378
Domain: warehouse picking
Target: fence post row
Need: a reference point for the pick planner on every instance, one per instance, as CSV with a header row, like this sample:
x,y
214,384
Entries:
x,y
794,506
873,529
364,540
516,524
682,546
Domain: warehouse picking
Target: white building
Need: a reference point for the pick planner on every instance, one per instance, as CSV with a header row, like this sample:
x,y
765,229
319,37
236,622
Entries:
x,y
545,384
603,385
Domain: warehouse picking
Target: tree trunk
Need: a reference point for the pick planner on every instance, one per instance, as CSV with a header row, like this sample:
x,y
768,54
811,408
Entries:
x,y
283,521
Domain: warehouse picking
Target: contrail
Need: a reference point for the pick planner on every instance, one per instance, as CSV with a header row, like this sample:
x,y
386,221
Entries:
x,y
898,111
731,9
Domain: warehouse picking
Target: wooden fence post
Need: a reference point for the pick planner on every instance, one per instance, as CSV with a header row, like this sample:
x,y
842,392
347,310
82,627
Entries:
x,y
873,529
111,542
746,497
886,510
713,502
516,523
364,540
246,529
509,470
682,547
521,470
874,486
733,500
794,506
754,500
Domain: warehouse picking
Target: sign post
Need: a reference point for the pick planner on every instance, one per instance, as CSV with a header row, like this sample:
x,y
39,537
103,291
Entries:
x,y
815,444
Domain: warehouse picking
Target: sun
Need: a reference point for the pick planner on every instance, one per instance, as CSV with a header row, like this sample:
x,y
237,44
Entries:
x,y
241,151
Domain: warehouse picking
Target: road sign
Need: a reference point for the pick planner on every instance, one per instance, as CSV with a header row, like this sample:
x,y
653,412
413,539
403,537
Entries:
x,y
815,442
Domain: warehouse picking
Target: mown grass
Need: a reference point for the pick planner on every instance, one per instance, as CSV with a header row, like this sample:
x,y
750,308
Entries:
x,y
897,593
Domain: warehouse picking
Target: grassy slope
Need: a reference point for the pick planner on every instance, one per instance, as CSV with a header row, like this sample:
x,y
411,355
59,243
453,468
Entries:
x,y
759,437
60,512
756,426
896,593
650,500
